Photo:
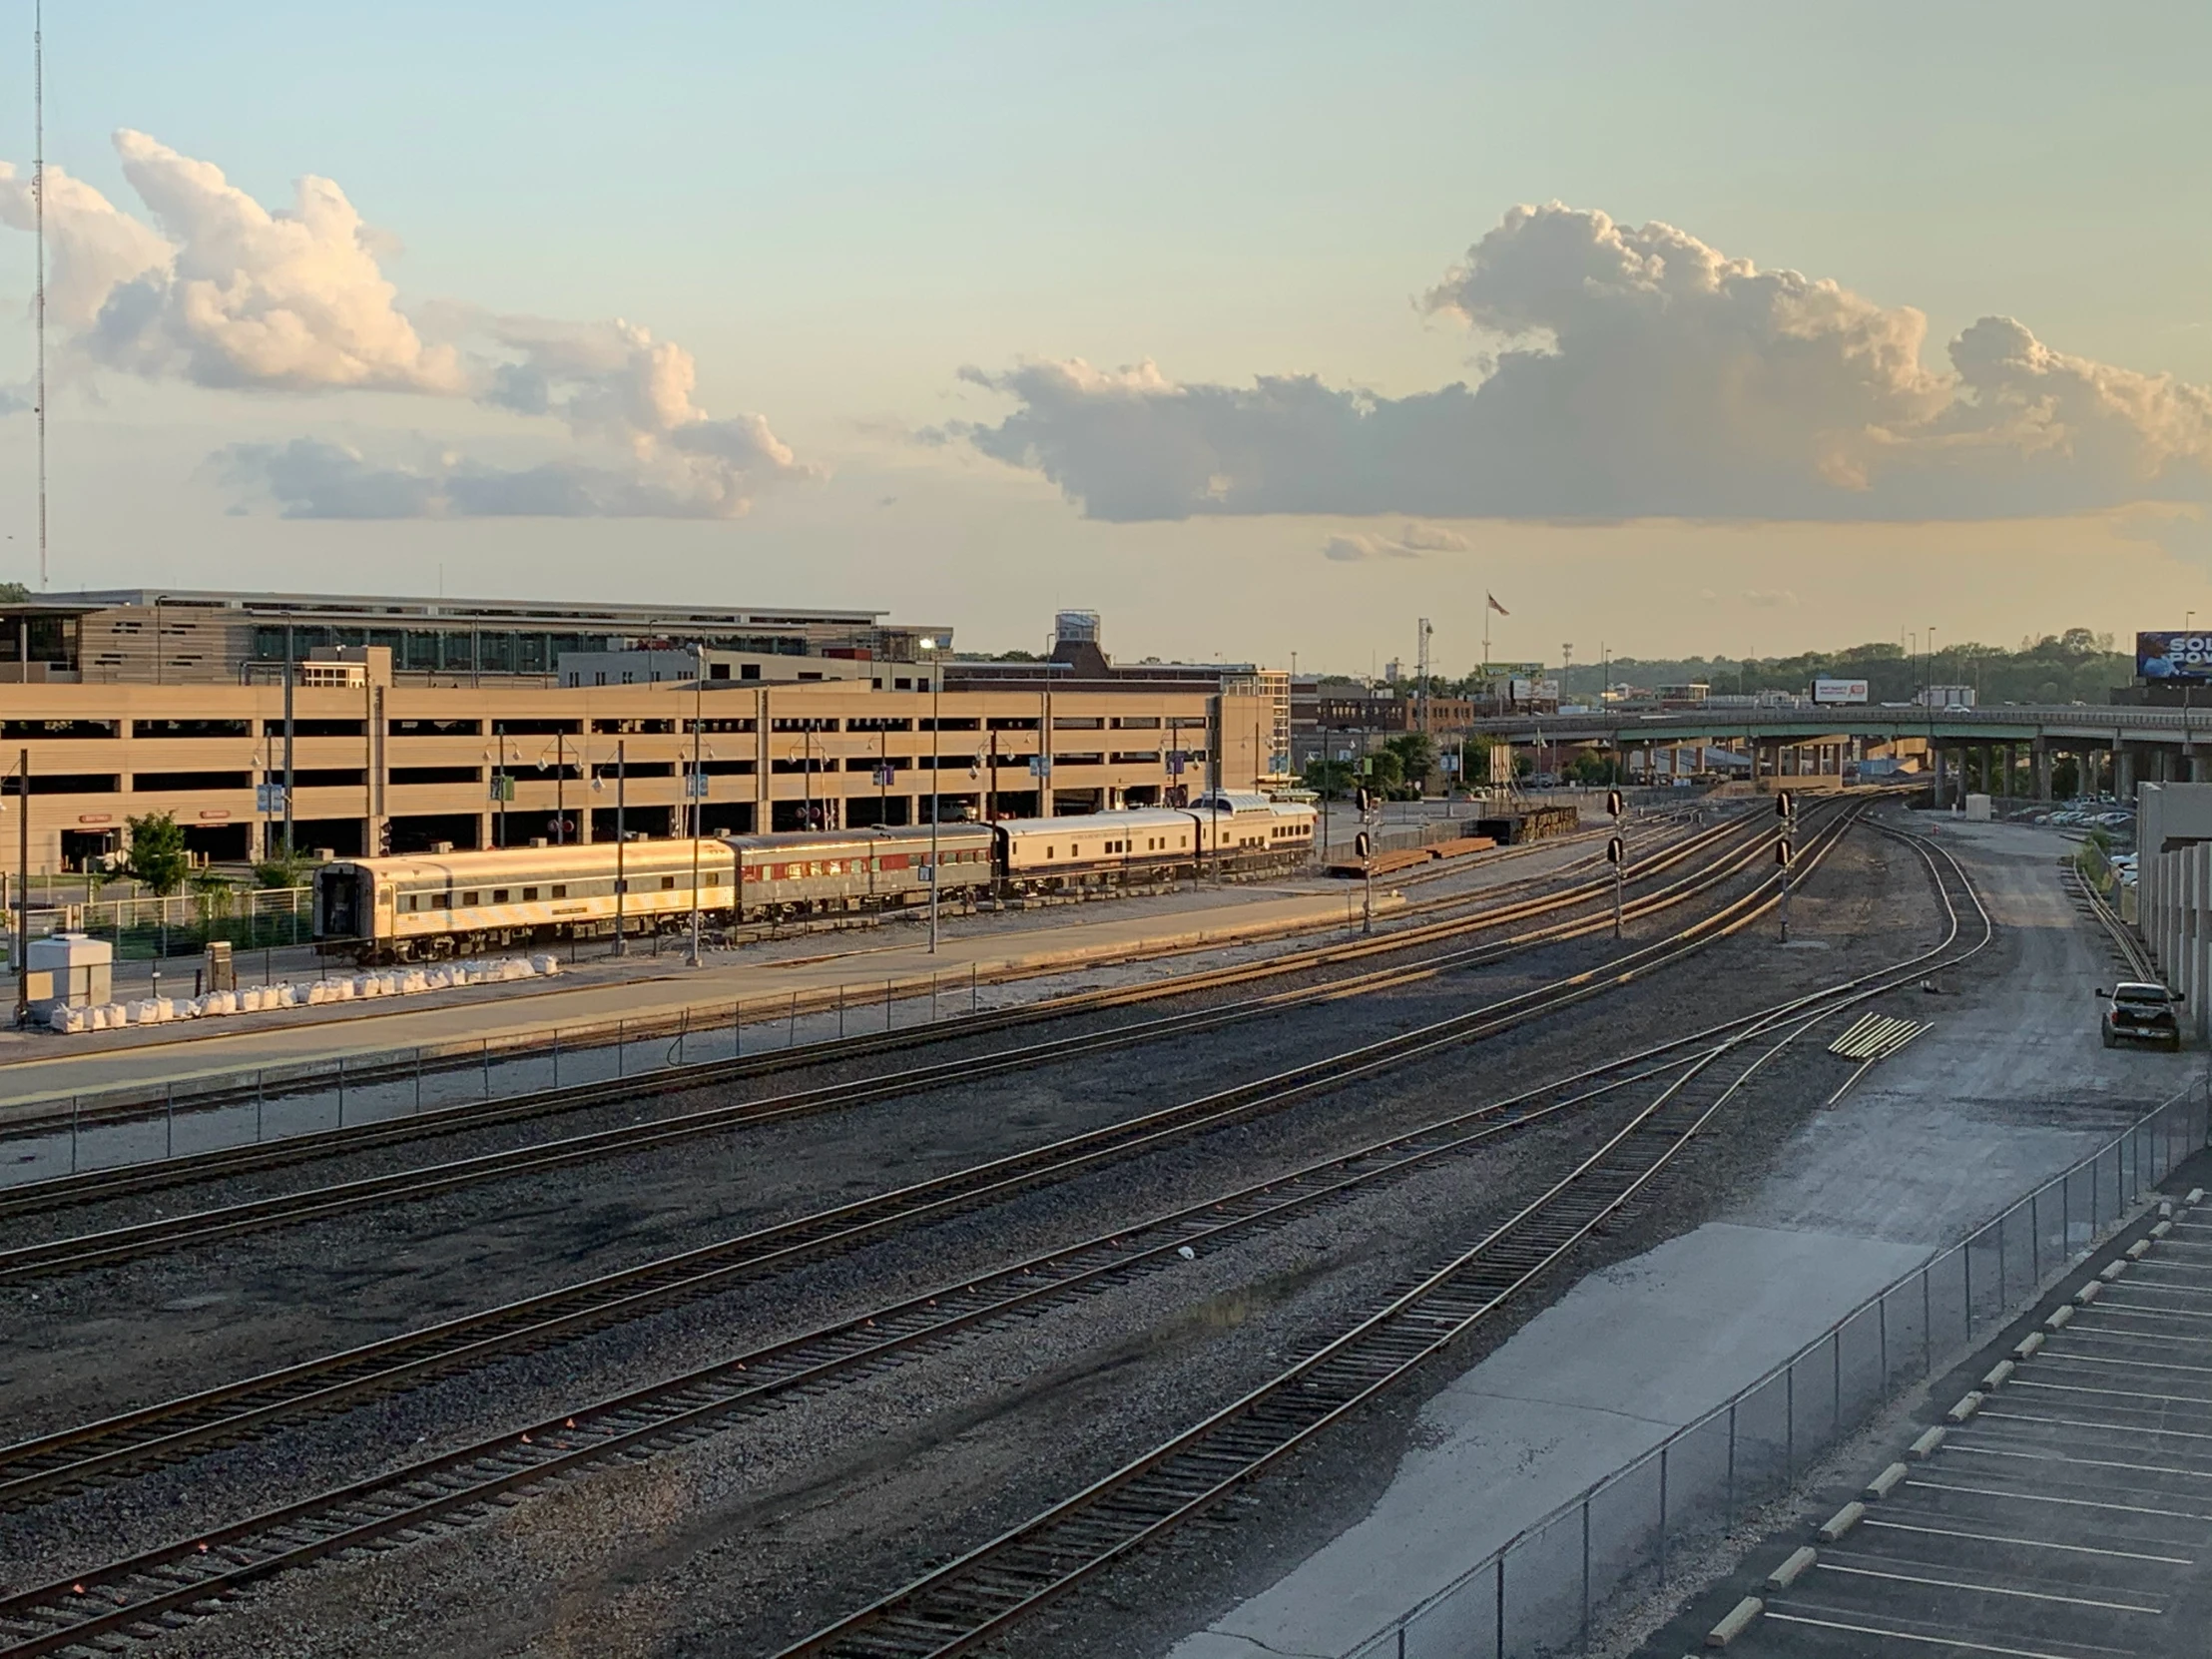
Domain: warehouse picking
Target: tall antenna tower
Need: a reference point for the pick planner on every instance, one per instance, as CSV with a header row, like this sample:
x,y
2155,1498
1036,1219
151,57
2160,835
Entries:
x,y
1420,672
38,208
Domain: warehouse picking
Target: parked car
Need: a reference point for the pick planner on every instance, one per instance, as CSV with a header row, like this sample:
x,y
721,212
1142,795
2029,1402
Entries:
x,y
2140,1013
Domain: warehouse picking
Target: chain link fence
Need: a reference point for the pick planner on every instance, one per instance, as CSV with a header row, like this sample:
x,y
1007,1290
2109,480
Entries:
x,y
1550,1589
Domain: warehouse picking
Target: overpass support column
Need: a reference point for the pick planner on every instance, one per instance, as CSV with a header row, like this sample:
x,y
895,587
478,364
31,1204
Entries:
x,y
2039,759
2012,763
1935,759
2123,773
2197,768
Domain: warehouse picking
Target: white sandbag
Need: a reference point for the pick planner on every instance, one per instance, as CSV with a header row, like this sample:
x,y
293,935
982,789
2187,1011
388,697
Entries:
x,y
287,997
547,964
62,1017
415,981
250,1000
146,1011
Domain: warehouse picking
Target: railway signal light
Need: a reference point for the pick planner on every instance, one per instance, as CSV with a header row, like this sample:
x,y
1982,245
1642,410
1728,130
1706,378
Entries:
x,y
1613,852
1782,852
1613,803
1782,803
1362,845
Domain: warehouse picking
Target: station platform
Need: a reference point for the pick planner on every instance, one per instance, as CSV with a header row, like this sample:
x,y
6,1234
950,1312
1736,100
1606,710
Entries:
x,y
38,1072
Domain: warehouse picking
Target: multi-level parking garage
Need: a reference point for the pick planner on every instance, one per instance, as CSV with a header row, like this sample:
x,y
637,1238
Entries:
x,y
406,724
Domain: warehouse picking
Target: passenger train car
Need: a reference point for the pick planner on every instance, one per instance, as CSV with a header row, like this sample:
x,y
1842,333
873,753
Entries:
x,y
417,907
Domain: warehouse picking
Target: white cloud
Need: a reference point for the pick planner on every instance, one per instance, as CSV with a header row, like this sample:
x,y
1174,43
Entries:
x,y
228,294
1769,598
1637,373
1411,542
311,478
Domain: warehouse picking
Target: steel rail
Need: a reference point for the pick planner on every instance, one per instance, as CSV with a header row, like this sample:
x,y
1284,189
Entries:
x,y
69,1458
150,1590
146,1238
2115,930
977,1597
93,1186
253,1084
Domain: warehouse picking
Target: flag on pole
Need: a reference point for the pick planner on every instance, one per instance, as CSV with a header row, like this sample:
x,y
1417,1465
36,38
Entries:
x,y
1496,606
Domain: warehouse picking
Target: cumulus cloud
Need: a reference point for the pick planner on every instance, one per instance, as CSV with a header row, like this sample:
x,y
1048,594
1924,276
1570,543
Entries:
x,y
1411,542
222,293
1769,598
1636,372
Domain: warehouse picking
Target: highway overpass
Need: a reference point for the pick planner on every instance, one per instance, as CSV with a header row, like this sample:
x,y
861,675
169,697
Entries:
x,y
2007,749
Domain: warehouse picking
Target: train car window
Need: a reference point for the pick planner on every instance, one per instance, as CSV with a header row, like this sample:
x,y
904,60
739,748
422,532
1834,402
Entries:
x,y
445,901
529,895
560,891
814,867
499,896
468,901
668,884
1048,852
714,878
410,901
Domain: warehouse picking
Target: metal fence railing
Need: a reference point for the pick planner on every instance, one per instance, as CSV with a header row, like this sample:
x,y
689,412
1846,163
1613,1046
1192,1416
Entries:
x,y
1550,1590
182,925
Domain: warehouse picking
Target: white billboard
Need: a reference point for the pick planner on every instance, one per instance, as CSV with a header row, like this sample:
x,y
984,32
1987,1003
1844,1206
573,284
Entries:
x,y
1839,691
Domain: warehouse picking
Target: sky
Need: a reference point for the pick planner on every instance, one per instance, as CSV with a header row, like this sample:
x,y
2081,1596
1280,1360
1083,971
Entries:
x,y
1263,329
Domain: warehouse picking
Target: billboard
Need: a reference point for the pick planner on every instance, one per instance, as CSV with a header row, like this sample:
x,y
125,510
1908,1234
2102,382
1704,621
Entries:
x,y
2175,655
1839,691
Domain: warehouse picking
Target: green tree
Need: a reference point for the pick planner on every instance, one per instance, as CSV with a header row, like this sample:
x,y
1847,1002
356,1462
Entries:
x,y
156,854
13,593
1416,756
1594,766
1384,770
285,868
1331,778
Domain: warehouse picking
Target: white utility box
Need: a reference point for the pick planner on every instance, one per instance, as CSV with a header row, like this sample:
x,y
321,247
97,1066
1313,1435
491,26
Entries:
x,y
69,967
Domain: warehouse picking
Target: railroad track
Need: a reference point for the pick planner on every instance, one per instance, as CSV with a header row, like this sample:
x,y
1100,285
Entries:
x,y
59,1462
2127,953
164,1586
982,1593
256,1086
120,1244
32,1198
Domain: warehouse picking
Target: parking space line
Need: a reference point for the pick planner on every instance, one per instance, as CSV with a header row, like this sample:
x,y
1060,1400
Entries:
x,y
2068,1502
2026,1543
1957,1643
2105,1305
2081,1462
2110,1394
2133,1430
2076,1334
2106,1359
1990,1589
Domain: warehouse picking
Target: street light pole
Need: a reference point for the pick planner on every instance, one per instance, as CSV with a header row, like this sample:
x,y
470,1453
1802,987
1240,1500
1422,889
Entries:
x,y
937,761
23,886
698,787
622,843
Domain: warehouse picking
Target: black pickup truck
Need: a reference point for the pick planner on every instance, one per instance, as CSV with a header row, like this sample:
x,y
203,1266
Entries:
x,y
2144,1013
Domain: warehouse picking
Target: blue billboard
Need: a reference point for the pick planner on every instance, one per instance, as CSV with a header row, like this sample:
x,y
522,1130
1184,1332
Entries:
x,y
2178,655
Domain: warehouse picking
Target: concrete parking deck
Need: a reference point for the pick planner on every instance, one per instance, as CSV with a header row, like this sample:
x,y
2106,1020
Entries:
x,y
2061,1509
